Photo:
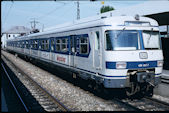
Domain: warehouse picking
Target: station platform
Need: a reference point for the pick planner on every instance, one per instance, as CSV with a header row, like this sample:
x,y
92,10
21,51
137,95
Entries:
x,y
165,74
9,99
4,107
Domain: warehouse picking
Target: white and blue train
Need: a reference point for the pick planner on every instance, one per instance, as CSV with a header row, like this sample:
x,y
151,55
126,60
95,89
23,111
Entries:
x,y
117,52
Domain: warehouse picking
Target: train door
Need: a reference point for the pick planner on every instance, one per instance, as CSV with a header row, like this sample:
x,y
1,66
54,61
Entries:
x,y
72,50
97,51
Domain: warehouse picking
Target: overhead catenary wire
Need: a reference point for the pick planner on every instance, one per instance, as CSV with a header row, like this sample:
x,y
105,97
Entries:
x,y
5,19
5,9
50,12
47,14
61,16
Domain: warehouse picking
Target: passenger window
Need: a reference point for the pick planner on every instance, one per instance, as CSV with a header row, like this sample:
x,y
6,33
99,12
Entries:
x,y
27,46
43,47
45,44
58,45
23,44
35,44
64,45
18,44
52,44
84,46
97,41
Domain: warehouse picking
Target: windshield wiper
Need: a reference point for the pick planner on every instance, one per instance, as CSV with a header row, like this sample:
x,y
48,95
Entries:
x,y
119,33
150,35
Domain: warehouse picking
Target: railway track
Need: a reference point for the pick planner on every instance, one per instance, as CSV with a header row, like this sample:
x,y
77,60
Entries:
x,y
143,104
44,98
12,102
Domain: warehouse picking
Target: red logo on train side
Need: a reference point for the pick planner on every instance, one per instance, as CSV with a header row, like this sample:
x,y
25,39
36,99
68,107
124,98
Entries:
x,y
61,59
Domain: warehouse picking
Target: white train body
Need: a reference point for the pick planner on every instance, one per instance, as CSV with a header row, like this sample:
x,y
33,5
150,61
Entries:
x,y
109,50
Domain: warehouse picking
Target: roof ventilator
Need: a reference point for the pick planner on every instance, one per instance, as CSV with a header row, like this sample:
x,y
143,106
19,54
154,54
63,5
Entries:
x,y
137,17
103,17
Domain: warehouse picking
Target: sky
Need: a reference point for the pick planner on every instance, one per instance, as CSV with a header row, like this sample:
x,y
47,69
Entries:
x,y
52,13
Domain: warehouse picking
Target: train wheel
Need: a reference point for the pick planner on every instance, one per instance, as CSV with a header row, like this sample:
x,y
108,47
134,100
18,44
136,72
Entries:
x,y
149,91
133,89
75,79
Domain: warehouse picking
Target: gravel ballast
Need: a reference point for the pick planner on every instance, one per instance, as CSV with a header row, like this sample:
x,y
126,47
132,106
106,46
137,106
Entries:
x,y
72,96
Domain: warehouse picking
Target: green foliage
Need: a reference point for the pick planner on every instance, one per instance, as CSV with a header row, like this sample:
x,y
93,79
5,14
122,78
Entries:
x,y
106,9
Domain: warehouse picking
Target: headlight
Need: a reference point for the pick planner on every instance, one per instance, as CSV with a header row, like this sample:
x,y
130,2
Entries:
x,y
121,65
159,63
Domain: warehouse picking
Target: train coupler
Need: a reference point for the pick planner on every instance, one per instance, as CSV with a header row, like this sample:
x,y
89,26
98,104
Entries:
x,y
143,77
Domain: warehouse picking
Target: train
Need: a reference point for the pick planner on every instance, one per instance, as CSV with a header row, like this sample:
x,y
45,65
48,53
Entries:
x,y
117,52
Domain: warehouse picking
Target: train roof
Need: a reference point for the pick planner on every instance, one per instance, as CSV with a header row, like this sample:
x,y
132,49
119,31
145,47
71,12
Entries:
x,y
89,22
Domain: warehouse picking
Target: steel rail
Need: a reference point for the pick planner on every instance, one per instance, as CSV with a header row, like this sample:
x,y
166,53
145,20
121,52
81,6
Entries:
x,y
127,105
61,105
15,89
158,101
152,100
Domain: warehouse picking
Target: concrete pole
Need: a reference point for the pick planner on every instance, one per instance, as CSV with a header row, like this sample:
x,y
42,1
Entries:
x,y
78,10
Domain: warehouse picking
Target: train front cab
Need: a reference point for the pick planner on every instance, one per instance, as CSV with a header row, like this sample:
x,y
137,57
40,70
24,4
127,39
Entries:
x,y
133,59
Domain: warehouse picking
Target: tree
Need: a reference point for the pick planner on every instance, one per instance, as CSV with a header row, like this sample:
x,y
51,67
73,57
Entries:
x,y
106,9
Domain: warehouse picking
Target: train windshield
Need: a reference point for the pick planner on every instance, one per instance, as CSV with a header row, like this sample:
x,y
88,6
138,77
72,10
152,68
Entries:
x,y
122,40
151,40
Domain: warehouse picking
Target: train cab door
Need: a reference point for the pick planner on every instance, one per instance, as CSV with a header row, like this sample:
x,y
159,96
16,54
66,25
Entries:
x,y
97,50
72,50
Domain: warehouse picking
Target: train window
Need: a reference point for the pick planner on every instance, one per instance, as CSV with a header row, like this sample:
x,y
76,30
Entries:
x,y
27,45
151,39
18,44
42,44
97,41
121,40
23,44
84,46
108,40
35,44
45,44
64,45
58,45
52,44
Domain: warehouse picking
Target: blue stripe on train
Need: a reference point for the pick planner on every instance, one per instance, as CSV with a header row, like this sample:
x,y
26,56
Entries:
x,y
134,65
